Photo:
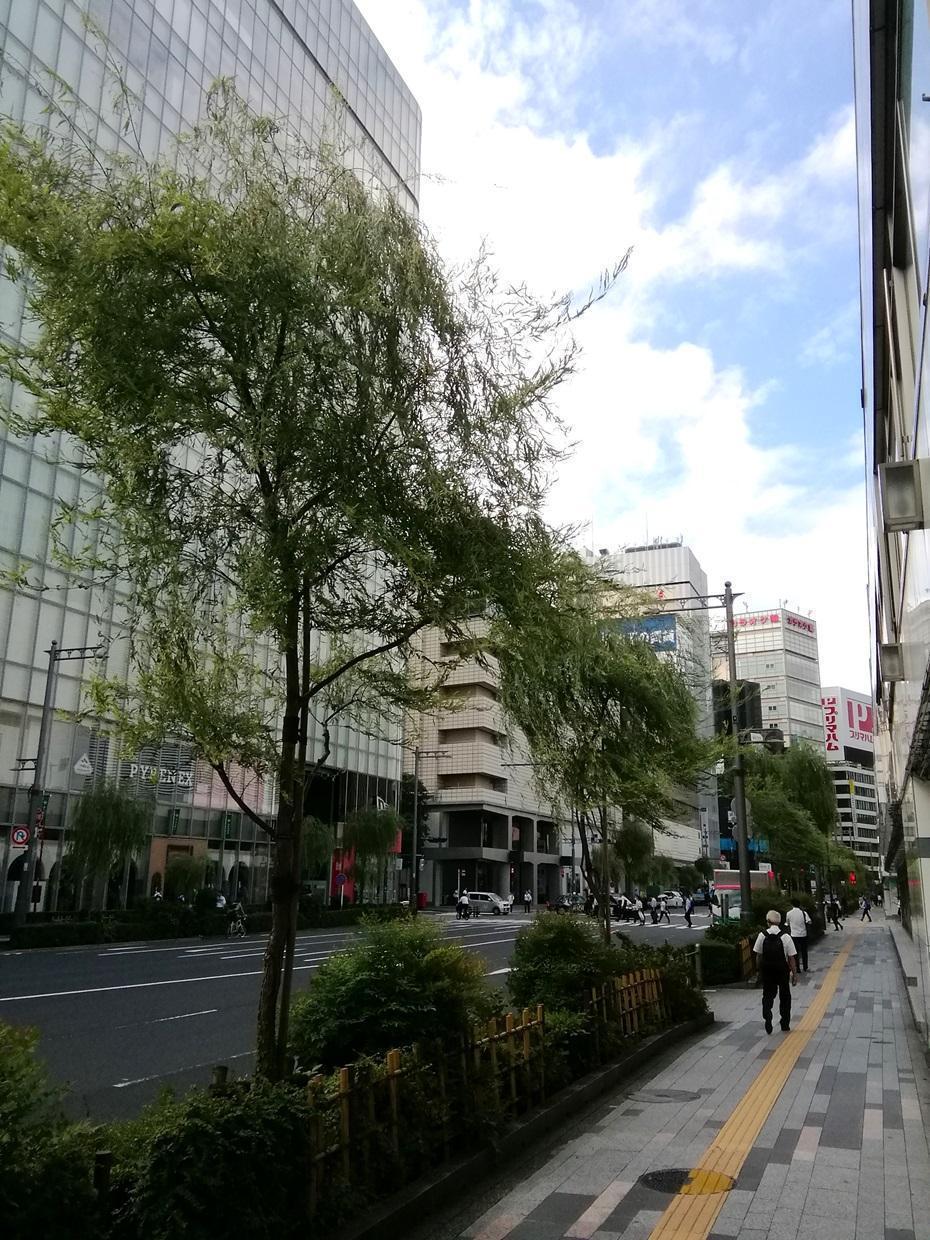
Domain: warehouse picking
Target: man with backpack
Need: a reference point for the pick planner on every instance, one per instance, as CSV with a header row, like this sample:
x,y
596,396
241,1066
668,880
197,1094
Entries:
x,y
866,908
778,969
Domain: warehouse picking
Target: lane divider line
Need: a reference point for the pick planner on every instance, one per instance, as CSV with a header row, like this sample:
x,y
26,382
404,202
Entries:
x,y
692,1212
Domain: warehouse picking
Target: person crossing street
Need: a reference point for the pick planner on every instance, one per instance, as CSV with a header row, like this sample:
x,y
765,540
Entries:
x,y
689,909
866,906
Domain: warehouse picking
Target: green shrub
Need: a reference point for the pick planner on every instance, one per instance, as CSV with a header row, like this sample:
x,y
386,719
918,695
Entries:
x,y
215,1166
46,1183
55,934
556,960
719,963
684,999
401,983
569,1047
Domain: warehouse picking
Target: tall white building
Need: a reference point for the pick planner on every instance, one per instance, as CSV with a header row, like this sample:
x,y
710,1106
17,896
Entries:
x,y
777,649
670,574
288,58
849,737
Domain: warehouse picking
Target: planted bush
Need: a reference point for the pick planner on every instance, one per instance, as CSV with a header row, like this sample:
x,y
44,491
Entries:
x,y
401,983
213,1166
556,960
46,1161
719,963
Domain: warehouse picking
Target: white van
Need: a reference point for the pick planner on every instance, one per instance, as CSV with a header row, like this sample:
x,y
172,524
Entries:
x,y
488,902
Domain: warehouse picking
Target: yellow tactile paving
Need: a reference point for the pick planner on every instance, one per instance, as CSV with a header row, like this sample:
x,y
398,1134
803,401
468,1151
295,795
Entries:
x,y
692,1212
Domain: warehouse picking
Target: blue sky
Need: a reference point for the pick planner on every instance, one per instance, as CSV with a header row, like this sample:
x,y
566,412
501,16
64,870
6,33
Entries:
x,y
718,396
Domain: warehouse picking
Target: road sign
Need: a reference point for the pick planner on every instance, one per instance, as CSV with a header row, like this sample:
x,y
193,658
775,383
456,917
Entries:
x,y
340,879
19,837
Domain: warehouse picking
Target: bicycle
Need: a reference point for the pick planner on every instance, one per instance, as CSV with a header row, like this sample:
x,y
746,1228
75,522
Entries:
x,y
235,927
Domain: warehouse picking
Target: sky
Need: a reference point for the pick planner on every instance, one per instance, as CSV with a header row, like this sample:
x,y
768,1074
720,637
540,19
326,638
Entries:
x,y
717,395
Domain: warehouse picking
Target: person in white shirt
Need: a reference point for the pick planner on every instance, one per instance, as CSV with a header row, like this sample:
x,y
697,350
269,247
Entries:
x,y
777,965
798,921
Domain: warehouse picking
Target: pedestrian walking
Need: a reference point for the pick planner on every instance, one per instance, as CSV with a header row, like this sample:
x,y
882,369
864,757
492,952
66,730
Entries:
x,y
866,906
798,921
638,911
663,910
689,909
527,901
654,910
777,968
833,912
463,906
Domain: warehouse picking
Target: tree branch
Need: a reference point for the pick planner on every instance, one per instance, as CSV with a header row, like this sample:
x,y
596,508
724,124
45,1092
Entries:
x,y
220,769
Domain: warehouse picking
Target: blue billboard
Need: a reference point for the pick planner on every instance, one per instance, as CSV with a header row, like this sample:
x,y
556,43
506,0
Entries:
x,y
660,632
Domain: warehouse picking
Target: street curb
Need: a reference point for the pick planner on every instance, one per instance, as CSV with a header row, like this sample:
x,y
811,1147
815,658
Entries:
x,y
397,1216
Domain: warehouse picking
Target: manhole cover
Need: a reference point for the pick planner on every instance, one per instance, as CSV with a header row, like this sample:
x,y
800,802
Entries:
x,y
665,1095
689,1183
668,1180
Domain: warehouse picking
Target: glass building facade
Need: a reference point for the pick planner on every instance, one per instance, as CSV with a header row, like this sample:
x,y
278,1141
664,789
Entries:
x,y
299,59
891,42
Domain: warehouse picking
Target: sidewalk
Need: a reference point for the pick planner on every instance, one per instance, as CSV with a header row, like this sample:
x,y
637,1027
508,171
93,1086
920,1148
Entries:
x,y
813,1135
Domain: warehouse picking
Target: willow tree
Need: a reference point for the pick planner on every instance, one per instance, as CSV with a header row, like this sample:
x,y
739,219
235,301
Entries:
x,y
302,424
371,835
107,830
611,727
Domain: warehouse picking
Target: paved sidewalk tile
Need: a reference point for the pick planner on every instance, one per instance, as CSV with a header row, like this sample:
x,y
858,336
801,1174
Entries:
x,y
842,1154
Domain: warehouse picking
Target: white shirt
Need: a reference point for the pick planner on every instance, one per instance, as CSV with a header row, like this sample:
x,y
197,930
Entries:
x,y
798,921
787,944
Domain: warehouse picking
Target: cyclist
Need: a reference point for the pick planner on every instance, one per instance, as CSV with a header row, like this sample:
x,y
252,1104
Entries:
x,y
236,923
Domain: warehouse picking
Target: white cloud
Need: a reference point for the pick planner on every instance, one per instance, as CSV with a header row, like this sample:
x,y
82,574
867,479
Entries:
x,y
666,436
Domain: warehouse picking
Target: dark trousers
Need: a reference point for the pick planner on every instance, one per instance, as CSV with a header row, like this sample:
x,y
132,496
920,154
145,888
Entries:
x,y
688,919
801,944
865,914
772,985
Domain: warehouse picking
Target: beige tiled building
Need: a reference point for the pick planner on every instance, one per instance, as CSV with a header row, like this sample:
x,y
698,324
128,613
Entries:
x,y
490,829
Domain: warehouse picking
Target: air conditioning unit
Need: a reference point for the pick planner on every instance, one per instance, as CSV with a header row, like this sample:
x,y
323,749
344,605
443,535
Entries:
x,y
891,658
905,494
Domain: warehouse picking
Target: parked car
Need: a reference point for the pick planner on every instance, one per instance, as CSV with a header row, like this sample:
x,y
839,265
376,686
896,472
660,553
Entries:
x,y
489,902
672,898
566,904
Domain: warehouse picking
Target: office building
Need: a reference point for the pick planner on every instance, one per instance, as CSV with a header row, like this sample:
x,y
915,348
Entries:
x,y
777,649
671,577
891,43
849,737
289,58
490,828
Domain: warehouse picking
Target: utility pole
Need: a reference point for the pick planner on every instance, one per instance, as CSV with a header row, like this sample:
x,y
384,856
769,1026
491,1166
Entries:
x,y
36,791
40,770
739,785
418,753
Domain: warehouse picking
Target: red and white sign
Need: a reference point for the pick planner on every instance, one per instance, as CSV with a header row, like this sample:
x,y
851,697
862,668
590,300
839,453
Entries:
x,y
848,721
19,837
801,623
755,619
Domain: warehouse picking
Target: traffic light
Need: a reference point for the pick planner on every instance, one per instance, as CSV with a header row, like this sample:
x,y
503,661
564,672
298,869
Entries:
x,y
45,800
174,822
227,826
852,878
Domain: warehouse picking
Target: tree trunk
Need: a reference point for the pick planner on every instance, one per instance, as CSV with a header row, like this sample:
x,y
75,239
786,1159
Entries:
x,y
270,1050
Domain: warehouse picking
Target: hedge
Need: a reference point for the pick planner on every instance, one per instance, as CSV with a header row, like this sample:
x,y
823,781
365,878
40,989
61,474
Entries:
x,y
719,963
179,922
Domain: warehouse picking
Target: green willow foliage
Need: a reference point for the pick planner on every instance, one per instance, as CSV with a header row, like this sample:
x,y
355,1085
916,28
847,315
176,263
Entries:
x,y
311,441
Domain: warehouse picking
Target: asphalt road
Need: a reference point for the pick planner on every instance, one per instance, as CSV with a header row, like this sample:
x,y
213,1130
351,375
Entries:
x,y
118,1024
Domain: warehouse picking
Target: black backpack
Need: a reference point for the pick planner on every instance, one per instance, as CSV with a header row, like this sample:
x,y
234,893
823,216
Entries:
x,y
773,954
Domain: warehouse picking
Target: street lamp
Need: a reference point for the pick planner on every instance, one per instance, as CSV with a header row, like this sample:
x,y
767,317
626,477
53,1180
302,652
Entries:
x,y
39,764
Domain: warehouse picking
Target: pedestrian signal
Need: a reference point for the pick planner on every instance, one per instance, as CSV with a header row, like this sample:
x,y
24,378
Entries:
x,y
852,879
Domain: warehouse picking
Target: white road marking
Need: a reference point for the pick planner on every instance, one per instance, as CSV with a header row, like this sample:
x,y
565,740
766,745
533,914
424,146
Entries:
x,y
183,1016
497,972
141,1080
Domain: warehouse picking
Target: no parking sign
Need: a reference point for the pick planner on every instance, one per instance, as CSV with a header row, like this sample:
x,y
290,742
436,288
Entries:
x,y
19,837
